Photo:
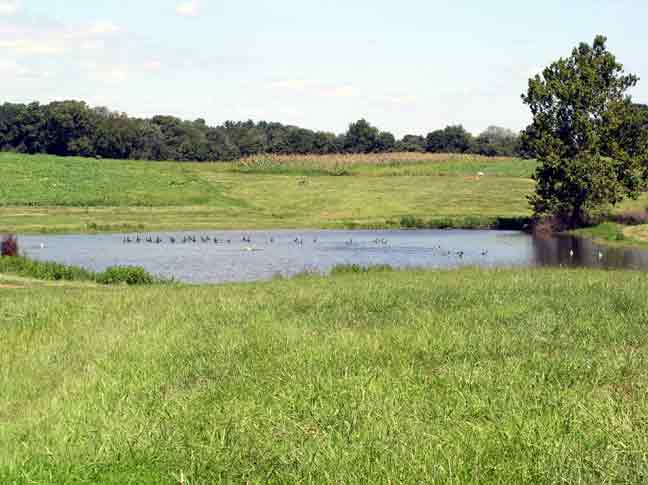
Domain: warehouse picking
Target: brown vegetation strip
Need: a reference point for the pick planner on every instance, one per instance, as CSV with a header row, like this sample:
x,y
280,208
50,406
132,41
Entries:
x,y
366,158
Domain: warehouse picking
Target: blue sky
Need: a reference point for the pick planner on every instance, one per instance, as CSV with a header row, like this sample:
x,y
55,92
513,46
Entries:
x,y
408,67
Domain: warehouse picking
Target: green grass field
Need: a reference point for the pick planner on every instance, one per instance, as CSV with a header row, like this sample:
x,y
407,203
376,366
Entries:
x,y
538,376
48,194
53,194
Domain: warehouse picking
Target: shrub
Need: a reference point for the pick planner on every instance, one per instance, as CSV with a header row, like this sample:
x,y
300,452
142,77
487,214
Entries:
x,y
43,270
411,222
131,275
341,269
47,270
9,246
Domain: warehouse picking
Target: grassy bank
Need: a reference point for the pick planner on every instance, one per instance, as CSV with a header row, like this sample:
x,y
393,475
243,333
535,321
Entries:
x,y
537,377
52,271
613,234
53,194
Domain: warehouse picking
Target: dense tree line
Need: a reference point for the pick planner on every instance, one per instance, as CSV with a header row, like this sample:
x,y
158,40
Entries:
x,y
74,128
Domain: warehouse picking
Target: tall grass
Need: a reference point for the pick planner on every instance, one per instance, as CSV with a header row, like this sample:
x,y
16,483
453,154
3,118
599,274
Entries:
x,y
51,271
384,164
469,376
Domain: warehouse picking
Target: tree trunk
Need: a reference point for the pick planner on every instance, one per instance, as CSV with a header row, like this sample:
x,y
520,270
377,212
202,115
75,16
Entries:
x,y
576,217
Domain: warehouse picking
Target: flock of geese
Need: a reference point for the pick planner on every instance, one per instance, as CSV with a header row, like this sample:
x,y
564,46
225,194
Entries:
x,y
297,241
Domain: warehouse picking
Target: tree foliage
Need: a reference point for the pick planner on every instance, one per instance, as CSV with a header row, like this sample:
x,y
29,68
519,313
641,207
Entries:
x,y
585,132
74,128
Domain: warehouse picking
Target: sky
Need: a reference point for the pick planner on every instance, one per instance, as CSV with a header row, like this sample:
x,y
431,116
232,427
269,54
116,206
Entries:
x,y
408,67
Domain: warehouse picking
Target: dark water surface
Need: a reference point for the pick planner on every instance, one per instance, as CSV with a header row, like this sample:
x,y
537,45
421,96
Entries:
x,y
269,253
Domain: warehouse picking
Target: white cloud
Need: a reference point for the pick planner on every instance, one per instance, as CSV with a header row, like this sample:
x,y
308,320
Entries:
x,y
11,69
8,7
101,28
52,40
33,46
402,100
109,74
292,84
314,88
191,8
153,65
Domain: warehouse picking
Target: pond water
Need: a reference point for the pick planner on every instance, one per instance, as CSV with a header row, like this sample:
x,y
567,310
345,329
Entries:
x,y
226,256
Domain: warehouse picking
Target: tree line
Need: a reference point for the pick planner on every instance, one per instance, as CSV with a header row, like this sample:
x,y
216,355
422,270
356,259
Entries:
x,y
74,128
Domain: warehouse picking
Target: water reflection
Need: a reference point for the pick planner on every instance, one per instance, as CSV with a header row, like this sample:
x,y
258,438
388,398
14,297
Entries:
x,y
219,256
575,251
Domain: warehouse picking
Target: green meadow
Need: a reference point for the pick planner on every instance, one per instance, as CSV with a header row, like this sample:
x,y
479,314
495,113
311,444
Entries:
x,y
537,376
49,194
54,194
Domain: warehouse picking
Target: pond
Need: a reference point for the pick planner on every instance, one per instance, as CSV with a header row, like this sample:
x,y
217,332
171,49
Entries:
x,y
228,256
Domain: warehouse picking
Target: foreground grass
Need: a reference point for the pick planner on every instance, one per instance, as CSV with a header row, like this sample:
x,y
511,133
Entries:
x,y
52,194
538,376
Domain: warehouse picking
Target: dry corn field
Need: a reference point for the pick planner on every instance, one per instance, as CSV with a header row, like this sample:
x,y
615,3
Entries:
x,y
363,158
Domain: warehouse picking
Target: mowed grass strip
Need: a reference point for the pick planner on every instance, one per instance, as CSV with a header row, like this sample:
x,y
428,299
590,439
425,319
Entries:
x,y
538,376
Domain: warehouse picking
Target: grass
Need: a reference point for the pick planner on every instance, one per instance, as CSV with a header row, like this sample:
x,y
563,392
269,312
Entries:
x,y
385,165
377,377
637,233
44,193
52,271
614,234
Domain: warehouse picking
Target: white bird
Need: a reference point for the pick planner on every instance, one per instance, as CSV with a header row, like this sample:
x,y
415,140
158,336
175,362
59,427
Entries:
x,y
42,246
600,255
571,253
